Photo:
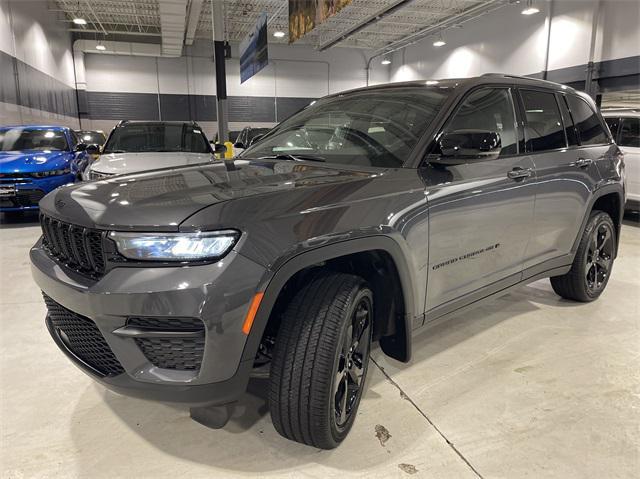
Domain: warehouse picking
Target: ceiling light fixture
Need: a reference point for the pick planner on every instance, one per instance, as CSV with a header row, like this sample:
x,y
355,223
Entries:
x,y
439,42
100,47
386,61
79,21
530,10
279,34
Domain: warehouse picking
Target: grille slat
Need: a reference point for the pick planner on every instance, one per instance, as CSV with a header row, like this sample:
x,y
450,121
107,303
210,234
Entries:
x,y
82,338
81,249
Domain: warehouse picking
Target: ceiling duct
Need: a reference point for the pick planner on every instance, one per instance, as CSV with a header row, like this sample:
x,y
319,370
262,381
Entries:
x,y
173,17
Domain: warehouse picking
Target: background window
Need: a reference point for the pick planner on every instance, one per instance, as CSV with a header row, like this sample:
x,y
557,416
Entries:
x,y
544,130
589,127
488,109
630,132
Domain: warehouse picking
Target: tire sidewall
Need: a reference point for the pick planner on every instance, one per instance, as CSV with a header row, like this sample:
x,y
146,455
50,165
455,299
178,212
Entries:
x,y
339,433
594,224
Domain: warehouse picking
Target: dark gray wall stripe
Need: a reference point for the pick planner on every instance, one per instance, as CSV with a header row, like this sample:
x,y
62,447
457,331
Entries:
x,y
125,106
21,84
288,106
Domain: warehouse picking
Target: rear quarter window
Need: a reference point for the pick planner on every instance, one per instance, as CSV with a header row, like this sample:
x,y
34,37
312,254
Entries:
x,y
630,132
590,130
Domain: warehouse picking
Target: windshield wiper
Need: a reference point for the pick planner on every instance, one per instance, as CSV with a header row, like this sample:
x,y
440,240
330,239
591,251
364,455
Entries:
x,y
290,157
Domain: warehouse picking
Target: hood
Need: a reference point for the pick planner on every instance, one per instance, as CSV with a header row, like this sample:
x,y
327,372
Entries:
x,y
160,200
125,163
32,161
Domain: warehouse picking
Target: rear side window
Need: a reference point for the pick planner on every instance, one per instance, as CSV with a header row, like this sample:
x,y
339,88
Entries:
x,y
589,127
629,132
544,130
614,124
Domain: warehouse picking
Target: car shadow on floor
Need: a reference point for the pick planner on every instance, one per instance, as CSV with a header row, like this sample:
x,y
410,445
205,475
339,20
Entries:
x,y
18,219
171,430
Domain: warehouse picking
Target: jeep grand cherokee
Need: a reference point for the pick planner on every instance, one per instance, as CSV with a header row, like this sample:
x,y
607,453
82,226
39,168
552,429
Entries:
x,y
359,219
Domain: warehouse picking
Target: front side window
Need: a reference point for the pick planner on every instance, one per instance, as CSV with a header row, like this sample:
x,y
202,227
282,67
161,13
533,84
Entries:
x,y
589,127
377,128
630,132
487,110
144,138
544,130
19,139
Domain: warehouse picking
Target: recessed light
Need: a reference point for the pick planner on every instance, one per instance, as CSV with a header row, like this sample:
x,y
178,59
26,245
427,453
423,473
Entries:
x,y
100,47
386,61
278,34
79,21
439,43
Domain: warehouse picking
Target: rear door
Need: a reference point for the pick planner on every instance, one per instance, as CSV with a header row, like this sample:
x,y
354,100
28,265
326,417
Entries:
x,y
565,139
629,143
481,211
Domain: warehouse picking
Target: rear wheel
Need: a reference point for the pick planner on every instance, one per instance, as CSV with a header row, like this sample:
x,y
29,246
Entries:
x,y
591,269
320,360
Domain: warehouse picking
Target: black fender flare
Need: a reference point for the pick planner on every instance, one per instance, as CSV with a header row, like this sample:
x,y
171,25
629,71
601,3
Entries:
x,y
275,280
601,191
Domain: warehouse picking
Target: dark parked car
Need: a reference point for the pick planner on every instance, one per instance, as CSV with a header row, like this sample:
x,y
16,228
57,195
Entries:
x,y
359,219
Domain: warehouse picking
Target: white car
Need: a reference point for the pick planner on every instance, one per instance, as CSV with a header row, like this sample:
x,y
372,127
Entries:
x,y
135,146
625,127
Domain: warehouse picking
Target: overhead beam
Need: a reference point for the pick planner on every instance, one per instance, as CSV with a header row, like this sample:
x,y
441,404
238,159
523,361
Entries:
x,y
195,8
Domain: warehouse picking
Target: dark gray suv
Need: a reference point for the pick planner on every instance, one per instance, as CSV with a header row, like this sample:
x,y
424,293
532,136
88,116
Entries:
x,y
359,219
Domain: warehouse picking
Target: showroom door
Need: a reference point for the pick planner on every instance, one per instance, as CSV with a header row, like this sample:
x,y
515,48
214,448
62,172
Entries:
x,y
480,211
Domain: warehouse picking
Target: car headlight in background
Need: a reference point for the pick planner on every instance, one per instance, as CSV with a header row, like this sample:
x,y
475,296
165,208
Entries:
x,y
45,174
175,246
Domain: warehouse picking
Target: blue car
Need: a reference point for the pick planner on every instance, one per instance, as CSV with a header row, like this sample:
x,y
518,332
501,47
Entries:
x,y
35,160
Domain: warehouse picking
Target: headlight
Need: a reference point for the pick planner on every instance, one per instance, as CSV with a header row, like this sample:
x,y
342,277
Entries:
x,y
96,175
45,174
175,246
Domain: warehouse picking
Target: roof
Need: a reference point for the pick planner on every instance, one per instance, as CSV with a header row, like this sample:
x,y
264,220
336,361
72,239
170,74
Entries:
x,y
37,127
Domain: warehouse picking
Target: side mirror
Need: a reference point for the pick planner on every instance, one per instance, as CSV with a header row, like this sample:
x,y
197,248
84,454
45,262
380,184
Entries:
x,y
219,148
255,139
461,145
239,144
81,147
93,149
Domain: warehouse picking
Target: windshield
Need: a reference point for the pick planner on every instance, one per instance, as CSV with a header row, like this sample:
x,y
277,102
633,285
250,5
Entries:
x,y
368,128
91,137
143,138
17,139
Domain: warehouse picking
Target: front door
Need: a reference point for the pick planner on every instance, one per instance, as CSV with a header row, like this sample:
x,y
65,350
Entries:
x,y
481,211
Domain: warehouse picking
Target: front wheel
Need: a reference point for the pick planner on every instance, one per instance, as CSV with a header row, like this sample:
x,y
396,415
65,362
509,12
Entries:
x,y
591,268
320,360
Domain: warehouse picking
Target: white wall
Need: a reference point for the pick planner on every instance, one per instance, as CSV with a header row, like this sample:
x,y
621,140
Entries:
x,y
507,42
32,34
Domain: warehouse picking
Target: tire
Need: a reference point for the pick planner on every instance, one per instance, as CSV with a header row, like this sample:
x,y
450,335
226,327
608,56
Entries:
x,y
314,360
589,274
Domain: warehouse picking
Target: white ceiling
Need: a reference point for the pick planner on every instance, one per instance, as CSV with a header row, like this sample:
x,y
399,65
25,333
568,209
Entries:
x,y
142,17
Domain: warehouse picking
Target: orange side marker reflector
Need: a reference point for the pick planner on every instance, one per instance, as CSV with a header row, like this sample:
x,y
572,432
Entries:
x,y
251,315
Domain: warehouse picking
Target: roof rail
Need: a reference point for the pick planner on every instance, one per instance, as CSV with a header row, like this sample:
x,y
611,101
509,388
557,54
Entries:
x,y
122,122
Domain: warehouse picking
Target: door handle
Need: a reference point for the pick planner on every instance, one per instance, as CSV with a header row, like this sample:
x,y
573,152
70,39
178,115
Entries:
x,y
582,162
519,173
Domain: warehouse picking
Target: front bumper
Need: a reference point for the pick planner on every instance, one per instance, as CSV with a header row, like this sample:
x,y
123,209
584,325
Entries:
x,y
29,191
217,294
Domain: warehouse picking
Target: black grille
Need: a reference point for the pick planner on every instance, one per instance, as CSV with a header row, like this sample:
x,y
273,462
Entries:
x,y
183,354
81,249
22,199
82,338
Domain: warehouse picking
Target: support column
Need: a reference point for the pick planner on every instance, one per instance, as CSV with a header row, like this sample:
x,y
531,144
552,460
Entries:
x,y
217,20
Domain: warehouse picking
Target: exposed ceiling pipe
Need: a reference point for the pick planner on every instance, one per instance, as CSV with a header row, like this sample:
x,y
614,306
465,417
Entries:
x,y
195,8
173,17
367,22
